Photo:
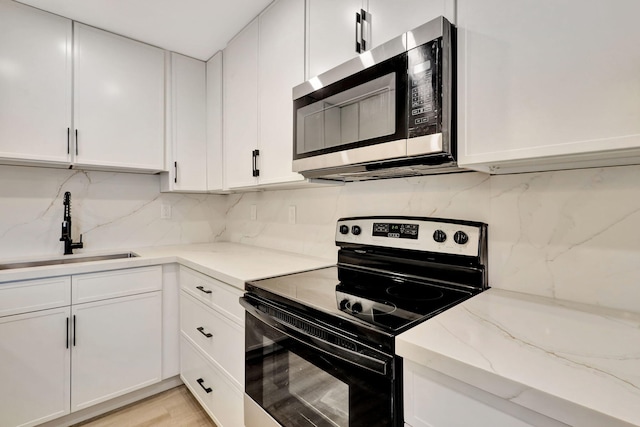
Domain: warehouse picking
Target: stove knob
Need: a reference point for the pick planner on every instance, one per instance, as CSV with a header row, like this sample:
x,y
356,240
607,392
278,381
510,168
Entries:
x,y
344,303
356,230
344,229
460,237
356,308
439,236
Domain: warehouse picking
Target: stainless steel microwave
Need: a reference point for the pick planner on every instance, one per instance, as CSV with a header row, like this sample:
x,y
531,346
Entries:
x,y
388,112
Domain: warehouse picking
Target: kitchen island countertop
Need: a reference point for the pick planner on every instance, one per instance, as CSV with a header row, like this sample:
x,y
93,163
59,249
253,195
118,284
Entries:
x,y
575,363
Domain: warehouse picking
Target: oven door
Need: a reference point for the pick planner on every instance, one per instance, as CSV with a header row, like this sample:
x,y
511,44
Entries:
x,y
299,381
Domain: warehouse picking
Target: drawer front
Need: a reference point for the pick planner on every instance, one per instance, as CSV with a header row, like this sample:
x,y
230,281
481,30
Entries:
x,y
116,283
214,293
33,295
218,337
219,397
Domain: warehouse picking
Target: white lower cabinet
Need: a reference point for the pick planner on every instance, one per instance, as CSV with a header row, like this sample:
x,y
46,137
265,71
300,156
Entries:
x,y
216,393
34,367
432,399
117,347
212,345
59,356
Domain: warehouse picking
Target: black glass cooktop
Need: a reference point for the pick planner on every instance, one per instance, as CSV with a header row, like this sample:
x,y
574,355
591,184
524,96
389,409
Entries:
x,y
387,302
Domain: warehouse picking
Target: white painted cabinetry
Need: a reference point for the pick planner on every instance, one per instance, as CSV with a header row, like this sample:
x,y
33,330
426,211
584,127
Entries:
x,y
332,27
62,354
432,399
34,350
240,94
546,86
280,68
212,345
214,123
186,126
35,86
118,101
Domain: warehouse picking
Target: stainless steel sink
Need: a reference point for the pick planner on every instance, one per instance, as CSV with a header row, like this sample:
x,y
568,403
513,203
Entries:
x,y
66,260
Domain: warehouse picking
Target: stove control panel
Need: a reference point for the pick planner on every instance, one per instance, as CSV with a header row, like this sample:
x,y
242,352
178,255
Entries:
x,y
425,234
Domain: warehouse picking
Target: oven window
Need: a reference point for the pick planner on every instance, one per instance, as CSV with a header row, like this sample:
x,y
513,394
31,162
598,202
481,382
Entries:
x,y
300,386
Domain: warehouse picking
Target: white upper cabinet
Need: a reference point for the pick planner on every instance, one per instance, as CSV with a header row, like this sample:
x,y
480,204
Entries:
x,y
214,123
280,68
331,33
548,85
240,98
35,85
333,30
186,126
389,19
118,101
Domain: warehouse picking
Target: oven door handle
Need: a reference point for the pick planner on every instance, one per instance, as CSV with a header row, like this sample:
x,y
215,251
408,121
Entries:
x,y
378,364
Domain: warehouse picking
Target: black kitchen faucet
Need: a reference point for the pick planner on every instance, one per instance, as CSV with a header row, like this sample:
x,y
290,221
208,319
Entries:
x,y
69,245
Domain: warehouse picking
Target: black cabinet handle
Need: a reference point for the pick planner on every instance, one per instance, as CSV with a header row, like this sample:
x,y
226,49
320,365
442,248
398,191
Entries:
x,y
206,334
67,332
358,32
68,140
76,142
207,389
202,289
363,42
255,154
175,170
74,330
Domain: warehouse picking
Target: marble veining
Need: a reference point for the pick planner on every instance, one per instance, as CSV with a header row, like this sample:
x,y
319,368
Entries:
x,y
581,360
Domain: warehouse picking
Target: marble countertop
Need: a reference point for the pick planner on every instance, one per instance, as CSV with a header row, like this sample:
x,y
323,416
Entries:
x,y
231,263
575,363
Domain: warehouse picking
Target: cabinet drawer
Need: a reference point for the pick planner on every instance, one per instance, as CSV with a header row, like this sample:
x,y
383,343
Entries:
x,y
33,295
219,396
214,293
218,337
117,283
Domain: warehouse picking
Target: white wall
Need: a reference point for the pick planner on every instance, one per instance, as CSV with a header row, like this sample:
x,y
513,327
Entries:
x,y
112,210
571,235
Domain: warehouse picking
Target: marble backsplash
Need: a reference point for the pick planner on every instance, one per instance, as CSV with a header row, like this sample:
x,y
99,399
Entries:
x,y
572,235
111,210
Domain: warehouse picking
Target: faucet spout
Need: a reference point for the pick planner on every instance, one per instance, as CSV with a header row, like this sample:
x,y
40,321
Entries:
x,y
69,244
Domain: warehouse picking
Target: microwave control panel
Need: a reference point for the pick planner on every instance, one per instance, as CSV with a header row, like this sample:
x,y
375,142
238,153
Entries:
x,y
425,74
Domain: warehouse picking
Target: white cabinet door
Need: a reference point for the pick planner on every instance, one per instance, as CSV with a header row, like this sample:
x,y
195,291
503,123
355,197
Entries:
x,y
540,81
280,68
118,102
331,33
35,369
116,347
186,113
35,85
389,19
214,123
240,93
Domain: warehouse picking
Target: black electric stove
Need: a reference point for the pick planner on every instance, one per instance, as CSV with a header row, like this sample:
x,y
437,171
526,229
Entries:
x,y
392,274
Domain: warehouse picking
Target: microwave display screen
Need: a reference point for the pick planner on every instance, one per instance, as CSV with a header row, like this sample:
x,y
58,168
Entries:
x,y
396,231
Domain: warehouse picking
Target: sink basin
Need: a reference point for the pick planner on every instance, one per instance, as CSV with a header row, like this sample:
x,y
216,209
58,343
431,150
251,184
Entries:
x,y
66,260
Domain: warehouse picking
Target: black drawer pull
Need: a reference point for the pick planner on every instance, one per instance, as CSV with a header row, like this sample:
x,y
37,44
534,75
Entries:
x,y
207,389
201,288
206,334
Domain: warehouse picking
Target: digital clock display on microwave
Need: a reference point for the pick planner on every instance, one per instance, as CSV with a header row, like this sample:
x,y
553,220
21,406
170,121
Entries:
x,y
396,231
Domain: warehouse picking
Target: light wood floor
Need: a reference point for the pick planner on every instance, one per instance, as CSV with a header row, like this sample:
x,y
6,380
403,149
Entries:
x,y
175,407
